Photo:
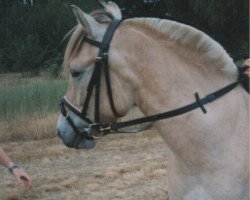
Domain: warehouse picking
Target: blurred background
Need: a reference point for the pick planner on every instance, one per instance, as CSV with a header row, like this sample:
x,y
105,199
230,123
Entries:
x,y
31,30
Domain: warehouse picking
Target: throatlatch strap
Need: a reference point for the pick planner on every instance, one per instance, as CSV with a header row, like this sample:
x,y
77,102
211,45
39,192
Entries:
x,y
97,93
109,90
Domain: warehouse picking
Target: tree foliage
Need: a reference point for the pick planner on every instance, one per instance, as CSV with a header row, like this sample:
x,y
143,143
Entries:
x,y
30,36
224,20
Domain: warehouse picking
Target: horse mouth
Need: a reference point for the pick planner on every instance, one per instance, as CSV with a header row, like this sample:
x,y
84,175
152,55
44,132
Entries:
x,y
83,144
78,142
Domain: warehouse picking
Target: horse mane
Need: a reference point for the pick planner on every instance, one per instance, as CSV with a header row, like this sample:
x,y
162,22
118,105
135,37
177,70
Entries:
x,y
176,31
194,38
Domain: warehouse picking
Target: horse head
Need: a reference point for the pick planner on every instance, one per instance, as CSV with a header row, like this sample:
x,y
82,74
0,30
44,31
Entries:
x,y
80,61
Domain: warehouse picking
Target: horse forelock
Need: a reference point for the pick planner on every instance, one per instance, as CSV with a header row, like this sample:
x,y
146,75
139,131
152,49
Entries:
x,y
183,34
78,33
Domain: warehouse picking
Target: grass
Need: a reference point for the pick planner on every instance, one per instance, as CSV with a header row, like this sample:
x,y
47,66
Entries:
x,y
29,107
125,167
128,167
26,99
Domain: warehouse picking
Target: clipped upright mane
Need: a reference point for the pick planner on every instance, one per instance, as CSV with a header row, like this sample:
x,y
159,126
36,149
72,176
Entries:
x,y
178,32
187,35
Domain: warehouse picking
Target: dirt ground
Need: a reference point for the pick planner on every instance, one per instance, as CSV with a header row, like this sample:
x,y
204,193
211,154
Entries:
x,y
129,167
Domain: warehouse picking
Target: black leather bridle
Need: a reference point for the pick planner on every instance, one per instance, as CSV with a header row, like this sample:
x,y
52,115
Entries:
x,y
97,129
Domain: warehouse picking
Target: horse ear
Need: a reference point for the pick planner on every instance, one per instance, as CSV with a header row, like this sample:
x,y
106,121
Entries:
x,y
88,22
112,8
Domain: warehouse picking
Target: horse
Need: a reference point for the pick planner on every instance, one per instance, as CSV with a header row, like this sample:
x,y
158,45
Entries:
x,y
158,65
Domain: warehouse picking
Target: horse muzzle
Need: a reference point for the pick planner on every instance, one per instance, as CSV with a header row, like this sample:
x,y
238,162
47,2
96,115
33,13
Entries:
x,y
77,142
71,139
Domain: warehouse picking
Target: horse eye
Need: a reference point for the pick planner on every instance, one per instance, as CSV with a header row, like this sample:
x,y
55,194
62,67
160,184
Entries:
x,y
75,74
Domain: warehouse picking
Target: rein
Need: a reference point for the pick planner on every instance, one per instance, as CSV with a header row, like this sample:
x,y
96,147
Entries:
x,y
97,129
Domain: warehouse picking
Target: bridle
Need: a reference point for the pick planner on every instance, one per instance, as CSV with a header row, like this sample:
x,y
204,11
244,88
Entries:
x,y
97,129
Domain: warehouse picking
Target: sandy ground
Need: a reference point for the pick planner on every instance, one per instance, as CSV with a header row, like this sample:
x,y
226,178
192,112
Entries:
x,y
129,167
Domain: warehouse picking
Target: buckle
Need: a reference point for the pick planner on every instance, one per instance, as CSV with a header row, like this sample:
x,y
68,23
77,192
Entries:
x,y
97,131
104,55
99,59
94,131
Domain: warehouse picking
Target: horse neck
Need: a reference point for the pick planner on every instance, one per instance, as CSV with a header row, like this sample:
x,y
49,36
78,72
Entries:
x,y
169,73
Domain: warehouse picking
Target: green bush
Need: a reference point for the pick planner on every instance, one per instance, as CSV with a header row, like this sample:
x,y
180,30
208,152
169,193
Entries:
x,y
224,20
30,36
26,54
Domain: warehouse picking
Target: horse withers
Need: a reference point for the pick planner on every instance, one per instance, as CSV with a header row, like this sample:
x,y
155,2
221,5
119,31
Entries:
x,y
158,65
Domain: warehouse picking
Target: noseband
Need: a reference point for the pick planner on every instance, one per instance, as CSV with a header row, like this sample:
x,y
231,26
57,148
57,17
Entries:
x,y
97,129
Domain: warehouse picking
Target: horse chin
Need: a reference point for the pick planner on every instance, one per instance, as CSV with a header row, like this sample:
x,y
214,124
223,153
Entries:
x,y
68,136
83,144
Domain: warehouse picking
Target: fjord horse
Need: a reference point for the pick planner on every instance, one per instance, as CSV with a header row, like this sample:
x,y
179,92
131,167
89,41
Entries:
x,y
158,65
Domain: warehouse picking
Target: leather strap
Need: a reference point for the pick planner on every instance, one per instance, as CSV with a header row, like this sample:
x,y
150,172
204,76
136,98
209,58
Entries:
x,y
92,42
101,62
108,84
179,111
65,102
